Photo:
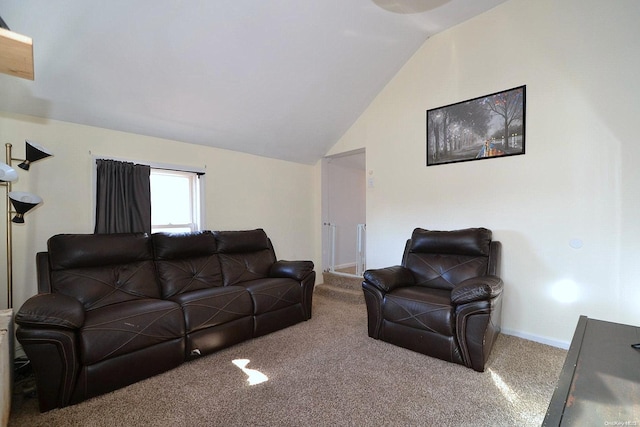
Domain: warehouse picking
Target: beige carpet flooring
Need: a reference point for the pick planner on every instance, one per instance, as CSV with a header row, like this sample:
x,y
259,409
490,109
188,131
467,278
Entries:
x,y
327,372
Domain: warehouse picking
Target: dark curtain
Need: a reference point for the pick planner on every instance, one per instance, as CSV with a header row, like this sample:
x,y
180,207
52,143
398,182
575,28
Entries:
x,y
123,197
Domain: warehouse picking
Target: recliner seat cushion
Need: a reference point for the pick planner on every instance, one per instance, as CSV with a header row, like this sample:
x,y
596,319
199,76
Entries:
x,y
420,308
129,326
211,307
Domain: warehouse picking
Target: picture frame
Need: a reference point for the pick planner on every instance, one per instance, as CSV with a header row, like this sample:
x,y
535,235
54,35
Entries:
x,y
485,127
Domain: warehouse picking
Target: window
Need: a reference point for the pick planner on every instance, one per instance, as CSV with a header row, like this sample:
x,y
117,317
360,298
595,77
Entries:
x,y
175,201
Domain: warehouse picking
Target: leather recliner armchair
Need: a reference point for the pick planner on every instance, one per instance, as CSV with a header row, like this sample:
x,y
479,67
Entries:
x,y
444,300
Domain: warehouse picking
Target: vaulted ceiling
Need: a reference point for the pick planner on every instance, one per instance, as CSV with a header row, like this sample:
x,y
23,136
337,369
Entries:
x,y
276,78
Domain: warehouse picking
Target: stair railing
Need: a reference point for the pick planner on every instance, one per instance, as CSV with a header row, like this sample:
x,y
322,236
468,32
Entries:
x,y
361,258
331,236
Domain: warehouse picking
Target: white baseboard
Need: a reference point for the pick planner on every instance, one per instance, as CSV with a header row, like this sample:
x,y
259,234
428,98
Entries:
x,y
542,340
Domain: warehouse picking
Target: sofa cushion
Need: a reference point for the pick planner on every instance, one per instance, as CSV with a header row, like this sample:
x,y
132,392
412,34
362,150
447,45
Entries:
x,y
469,241
96,250
127,327
189,274
243,267
242,241
206,308
170,246
272,294
444,271
244,255
186,262
103,269
97,287
420,308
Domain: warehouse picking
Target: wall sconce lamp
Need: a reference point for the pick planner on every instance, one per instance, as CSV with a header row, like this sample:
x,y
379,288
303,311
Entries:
x,y
21,201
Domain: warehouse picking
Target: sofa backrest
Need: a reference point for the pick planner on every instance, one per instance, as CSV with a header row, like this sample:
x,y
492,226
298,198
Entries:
x,y
103,269
186,262
442,259
244,255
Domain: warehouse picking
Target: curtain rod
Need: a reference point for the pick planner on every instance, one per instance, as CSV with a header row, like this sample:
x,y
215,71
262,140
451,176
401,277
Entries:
x,y
154,165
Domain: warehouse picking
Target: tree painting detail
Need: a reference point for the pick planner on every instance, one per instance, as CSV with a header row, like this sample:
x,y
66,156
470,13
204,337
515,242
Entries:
x,y
480,128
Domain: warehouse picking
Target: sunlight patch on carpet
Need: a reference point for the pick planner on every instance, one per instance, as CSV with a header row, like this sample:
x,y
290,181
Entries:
x,y
506,391
254,376
520,406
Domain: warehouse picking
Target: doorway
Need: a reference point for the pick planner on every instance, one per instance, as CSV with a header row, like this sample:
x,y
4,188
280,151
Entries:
x,y
344,213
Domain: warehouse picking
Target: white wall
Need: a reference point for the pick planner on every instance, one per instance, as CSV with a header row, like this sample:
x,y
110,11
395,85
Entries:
x,y
579,178
242,191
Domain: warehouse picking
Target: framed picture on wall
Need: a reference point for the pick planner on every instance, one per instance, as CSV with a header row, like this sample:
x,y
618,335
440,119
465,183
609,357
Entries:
x,y
486,127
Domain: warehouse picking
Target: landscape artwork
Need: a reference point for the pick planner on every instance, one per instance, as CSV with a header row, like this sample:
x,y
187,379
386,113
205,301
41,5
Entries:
x,y
481,128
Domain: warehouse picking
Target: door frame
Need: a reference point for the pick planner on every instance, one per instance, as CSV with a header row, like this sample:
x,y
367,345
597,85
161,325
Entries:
x,y
356,158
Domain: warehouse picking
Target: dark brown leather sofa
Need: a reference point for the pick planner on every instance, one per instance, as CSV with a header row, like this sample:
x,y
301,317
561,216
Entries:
x,y
444,300
114,309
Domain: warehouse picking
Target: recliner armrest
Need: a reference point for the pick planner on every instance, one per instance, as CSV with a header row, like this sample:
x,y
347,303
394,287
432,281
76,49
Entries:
x,y
51,311
297,270
476,289
389,278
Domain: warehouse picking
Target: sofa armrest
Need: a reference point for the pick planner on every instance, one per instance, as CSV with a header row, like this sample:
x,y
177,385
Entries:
x,y
476,289
51,311
297,270
54,356
389,278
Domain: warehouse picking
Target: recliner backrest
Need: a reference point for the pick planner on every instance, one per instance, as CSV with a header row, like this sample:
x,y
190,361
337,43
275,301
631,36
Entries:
x,y
186,262
244,255
103,269
442,259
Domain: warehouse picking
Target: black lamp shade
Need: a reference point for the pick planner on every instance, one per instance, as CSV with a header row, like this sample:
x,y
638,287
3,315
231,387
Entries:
x,y
34,152
23,202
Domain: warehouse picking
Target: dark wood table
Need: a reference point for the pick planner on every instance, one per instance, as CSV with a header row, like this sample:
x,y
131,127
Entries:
x,y
599,384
